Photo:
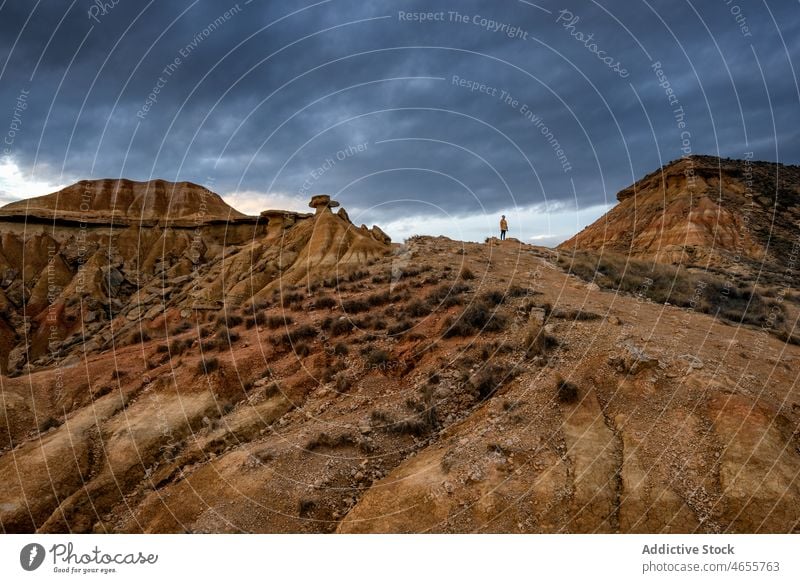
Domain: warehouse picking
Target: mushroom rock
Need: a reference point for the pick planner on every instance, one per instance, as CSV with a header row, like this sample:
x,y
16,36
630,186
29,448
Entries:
x,y
321,202
378,234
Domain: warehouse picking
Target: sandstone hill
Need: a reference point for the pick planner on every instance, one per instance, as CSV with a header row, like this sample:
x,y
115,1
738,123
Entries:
x,y
302,374
80,266
740,215
126,202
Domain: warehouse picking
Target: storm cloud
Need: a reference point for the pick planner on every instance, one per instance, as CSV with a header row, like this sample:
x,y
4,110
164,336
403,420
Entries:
x,y
420,115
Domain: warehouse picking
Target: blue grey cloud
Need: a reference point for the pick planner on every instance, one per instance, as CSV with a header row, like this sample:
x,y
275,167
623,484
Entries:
x,y
470,106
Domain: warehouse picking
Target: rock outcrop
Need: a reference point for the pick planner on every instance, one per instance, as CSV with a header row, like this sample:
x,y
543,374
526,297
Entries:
x,y
703,210
94,256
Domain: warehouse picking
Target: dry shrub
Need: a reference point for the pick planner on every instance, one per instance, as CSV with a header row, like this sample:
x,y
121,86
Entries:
x,y
537,342
293,337
575,314
324,303
355,306
566,392
207,365
489,379
325,440
704,292
478,317
399,327
339,327
417,309
273,322
466,274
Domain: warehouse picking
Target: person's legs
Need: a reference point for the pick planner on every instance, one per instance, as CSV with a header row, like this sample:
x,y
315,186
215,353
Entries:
x,y
502,235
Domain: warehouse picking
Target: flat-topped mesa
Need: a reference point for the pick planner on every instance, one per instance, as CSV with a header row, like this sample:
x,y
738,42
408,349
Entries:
x,y
123,202
704,210
322,202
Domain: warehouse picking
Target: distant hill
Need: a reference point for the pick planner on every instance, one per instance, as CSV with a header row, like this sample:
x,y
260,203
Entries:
x,y
126,202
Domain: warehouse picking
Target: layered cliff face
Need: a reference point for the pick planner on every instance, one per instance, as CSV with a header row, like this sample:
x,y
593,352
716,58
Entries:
x,y
81,265
705,211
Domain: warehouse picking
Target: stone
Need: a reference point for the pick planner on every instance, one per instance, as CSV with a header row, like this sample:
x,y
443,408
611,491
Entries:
x,y
693,361
112,280
322,202
135,313
154,311
632,360
378,234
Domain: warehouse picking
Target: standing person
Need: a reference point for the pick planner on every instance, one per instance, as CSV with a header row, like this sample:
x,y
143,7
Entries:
x,y
503,227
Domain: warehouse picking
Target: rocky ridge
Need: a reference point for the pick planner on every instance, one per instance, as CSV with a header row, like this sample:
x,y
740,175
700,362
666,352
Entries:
x,y
85,265
739,215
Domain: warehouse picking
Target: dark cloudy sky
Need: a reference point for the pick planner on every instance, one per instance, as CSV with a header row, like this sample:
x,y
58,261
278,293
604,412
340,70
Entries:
x,y
269,101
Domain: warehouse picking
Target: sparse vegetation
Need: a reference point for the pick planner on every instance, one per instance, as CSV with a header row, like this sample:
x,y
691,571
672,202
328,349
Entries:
x,y
488,379
378,358
661,283
304,507
273,390
207,365
492,298
338,326
378,299
324,303
446,295
466,274
342,383
479,316
325,440
227,320
575,314
273,322
420,422
517,291
355,306
537,342
417,309
399,327
184,326
138,336
357,275
292,300
228,336
293,337
49,423
566,392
